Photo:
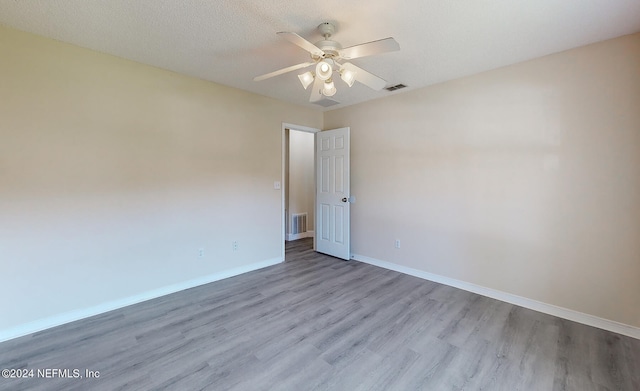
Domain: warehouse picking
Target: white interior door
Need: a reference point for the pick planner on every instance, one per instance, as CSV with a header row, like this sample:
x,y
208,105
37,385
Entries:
x,y
332,193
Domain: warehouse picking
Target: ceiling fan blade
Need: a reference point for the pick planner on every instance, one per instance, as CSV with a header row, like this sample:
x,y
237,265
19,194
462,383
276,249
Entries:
x,y
369,49
282,71
303,43
316,90
368,79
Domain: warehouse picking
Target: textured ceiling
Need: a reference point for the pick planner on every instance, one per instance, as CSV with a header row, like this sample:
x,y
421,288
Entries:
x,y
231,41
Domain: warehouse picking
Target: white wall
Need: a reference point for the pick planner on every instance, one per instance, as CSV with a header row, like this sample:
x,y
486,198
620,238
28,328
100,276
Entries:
x,y
113,174
524,179
301,175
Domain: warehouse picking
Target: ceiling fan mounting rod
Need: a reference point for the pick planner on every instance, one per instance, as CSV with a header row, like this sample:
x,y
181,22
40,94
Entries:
x,y
326,30
329,48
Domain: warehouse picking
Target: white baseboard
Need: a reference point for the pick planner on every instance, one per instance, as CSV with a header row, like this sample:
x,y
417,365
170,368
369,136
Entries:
x,y
550,309
308,234
67,317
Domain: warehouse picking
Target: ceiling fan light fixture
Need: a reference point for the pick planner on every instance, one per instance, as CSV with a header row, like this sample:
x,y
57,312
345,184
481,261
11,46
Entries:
x,y
306,79
327,58
329,88
324,70
348,76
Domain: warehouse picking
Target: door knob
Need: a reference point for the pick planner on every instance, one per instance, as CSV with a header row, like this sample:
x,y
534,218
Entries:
x,y
344,199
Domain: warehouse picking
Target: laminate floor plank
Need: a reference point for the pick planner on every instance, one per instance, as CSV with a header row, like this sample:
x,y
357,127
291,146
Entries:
x,y
390,370
319,323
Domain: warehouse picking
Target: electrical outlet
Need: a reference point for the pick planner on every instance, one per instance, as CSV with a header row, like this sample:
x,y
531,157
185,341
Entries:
x,y
235,245
397,243
201,253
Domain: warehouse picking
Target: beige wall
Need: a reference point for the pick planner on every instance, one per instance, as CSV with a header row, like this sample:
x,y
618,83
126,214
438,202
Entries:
x,y
524,179
301,175
113,174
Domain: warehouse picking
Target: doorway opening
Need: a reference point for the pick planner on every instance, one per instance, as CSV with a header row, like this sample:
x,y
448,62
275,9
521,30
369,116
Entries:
x,y
298,195
298,250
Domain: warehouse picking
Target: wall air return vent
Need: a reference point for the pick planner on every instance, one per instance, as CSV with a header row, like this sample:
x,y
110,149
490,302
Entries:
x,y
299,223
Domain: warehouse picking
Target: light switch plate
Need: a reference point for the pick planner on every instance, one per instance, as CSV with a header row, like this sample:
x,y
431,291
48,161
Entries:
x,y
276,185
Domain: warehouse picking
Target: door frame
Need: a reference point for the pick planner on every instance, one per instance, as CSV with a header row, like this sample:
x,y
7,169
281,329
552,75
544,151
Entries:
x,y
283,158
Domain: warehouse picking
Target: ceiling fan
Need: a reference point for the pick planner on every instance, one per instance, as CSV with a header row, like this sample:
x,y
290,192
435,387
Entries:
x,y
328,56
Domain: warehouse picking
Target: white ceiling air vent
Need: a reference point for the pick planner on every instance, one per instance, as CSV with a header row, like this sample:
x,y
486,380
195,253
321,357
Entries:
x,y
396,87
326,102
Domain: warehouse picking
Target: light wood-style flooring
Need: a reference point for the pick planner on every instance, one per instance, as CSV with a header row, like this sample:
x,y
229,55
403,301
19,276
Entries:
x,y
319,323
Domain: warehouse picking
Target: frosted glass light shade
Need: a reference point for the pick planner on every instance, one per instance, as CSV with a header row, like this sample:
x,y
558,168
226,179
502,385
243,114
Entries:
x,y
323,70
348,76
306,79
329,88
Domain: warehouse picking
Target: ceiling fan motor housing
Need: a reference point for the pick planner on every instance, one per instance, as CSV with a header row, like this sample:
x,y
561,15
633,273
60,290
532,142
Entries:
x,y
330,48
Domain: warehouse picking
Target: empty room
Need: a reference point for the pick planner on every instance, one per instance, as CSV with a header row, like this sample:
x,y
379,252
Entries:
x,y
275,195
